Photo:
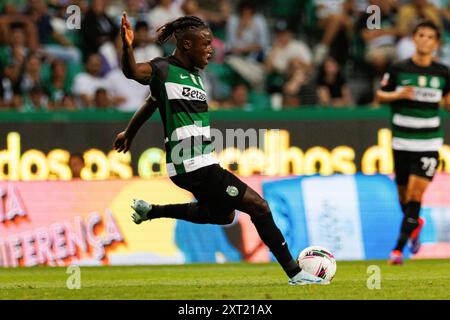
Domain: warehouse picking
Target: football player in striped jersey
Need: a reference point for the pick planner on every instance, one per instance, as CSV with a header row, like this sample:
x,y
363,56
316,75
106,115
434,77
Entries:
x,y
415,88
178,93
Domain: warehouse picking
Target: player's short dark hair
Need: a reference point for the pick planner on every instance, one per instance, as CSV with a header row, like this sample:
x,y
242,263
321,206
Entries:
x,y
428,24
179,27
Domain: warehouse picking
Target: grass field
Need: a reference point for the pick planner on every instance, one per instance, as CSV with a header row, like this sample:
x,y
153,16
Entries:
x,y
425,279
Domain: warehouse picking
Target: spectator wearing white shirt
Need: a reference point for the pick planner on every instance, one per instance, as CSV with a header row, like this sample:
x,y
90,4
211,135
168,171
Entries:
x,y
144,49
132,92
163,13
87,83
334,17
291,60
247,41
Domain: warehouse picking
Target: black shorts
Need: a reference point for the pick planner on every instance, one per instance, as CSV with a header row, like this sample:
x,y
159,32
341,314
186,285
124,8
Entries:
x,y
422,164
214,187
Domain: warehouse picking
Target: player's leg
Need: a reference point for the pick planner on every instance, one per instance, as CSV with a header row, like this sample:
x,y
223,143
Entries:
x,y
201,212
258,209
423,166
261,216
401,190
194,212
402,170
414,194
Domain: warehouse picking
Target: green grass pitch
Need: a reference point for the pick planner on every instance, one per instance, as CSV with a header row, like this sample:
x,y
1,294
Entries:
x,y
424,279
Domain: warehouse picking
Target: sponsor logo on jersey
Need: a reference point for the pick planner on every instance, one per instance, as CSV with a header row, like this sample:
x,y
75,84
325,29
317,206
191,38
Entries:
x,y
193,94
434,82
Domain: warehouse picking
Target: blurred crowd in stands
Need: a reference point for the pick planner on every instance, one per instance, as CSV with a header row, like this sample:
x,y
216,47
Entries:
x,y
269,54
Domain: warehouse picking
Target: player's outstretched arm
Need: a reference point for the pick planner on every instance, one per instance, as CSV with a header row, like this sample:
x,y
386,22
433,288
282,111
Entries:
x,y
141,72
406,93
125,138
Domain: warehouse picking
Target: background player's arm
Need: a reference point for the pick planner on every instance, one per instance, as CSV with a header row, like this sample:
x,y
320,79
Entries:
x,y
407,93
447,102
125,138
141,72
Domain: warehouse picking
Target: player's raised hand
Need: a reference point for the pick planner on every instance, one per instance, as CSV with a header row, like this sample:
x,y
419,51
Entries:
x,y
407,93
126,31
122,142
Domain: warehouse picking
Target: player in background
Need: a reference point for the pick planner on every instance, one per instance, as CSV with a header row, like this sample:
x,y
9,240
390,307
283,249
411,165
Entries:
x,y
178,93
415,88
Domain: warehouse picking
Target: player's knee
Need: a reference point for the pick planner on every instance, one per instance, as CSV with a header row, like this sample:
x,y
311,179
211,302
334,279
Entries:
x,y
225,219
261,207
414,195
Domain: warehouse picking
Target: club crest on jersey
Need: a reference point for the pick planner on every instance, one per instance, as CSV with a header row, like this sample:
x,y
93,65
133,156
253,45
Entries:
x,y
232,191
422,81
434,82
193,94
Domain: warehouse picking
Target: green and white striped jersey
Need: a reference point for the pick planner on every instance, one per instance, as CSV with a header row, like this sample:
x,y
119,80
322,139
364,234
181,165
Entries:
x,y
182,103
416,124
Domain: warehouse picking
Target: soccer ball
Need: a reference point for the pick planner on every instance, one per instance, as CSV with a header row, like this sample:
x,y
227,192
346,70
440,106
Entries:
x,y
318,261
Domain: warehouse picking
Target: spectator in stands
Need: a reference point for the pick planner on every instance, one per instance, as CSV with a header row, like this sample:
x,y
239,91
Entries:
x,y
10,7
11,22
52,42
31,78
144,48
216,13
332,88
9,93
247,41
164,12
133,8
290,60
102,100
76,164
129,95
86,83
238,99
68,103
36,99
97,28
132,93
191,8
58,85
16,52
335,19
380,44
408,15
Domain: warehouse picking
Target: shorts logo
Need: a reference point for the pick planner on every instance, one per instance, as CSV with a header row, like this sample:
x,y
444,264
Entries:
x,y
232,191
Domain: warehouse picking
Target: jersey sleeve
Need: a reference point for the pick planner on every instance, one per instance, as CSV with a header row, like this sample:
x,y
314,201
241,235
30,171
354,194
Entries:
x,y
160,67
389,80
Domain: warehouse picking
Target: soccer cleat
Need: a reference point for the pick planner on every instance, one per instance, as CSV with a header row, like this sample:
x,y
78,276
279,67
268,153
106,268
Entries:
x,y
396,258
415,236
303,278
141,209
